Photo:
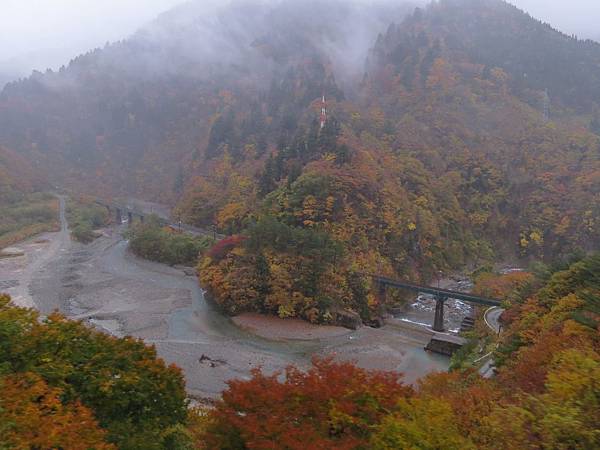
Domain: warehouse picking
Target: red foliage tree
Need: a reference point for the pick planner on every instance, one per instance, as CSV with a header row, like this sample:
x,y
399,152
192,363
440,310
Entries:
x,y
332,405
221,248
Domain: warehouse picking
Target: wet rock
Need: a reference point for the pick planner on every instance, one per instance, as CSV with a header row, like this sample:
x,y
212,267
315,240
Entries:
x,y
211,362
347,319
444,345
68,279
7,284
377,322
396,310
79,259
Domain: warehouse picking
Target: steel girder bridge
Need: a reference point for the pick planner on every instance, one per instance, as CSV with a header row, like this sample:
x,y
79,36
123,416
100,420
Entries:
x,y
440,295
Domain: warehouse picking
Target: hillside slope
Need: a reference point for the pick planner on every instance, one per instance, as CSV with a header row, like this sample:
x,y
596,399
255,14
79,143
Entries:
x,y
440,150
17,174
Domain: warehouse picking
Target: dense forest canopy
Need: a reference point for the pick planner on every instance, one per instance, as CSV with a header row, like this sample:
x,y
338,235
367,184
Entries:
x,y
457,134
497,34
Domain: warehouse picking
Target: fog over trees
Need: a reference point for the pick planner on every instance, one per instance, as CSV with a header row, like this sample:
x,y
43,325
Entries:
x,y
38,34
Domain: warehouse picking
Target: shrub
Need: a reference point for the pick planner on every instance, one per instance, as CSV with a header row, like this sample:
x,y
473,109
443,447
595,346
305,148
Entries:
x,y
332,405
150,241
82,232
83,218
26,215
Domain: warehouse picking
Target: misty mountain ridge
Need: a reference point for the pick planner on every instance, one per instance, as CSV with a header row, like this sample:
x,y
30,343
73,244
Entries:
x,y
200,42
204,53
496,34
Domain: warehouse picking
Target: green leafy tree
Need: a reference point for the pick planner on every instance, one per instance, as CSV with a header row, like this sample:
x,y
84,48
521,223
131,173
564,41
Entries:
x,y
134,396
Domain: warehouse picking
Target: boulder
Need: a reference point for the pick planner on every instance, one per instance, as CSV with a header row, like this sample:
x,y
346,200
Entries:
x,y
347,319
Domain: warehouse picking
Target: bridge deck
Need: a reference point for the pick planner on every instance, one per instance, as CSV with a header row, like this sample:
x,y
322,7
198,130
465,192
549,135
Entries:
x,y
437,291
162,220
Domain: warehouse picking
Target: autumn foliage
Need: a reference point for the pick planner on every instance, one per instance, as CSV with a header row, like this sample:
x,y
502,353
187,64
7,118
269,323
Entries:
x,y
224,246
32,415
545,395
443,163
75,386
445,154
332,405
448,153
501,286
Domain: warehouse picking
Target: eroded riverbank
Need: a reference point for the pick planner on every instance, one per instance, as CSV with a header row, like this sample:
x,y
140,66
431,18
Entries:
x,y
104,284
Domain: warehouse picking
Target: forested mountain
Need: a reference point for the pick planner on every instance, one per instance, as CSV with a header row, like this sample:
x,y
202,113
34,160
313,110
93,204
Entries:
x,y
5,78
544,396
436,161
494,33
464,133
133,116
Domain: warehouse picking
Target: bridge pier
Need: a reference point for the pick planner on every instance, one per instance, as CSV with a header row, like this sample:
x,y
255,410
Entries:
x,y
380,292
129,218
119,217
438,321
141,219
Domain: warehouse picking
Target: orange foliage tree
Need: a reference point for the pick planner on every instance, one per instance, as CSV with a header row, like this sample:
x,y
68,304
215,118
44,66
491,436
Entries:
x,y
33,416
332,405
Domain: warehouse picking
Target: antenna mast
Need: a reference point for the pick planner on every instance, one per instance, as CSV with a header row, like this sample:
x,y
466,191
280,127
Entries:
x,y
323,111
546,105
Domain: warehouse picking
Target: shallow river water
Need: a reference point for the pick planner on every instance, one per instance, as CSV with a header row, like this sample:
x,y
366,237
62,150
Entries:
x,y
421,310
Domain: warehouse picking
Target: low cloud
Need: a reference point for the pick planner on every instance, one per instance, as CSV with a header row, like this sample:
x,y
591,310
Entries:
x,y
40,34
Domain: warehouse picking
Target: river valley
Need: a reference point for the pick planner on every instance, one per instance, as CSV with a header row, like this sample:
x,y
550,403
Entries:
x,y
103,284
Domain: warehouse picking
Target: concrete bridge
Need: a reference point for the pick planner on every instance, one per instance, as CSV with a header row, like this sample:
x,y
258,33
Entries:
x,y
440,295
121,211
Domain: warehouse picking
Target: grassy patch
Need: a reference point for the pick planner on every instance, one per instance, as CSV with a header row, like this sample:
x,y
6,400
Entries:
x,y
84,216
26,215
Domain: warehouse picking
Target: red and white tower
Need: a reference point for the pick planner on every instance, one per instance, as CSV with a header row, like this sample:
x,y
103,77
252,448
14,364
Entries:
x,y
323,112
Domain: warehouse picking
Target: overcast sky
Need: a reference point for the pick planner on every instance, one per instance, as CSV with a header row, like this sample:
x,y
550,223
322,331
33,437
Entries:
x,y
29,28
50,32
580,17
